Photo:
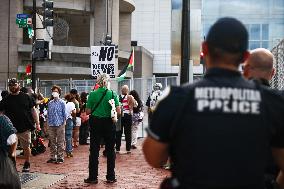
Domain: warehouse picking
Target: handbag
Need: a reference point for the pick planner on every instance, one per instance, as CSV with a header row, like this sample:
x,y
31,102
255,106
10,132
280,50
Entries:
x,y
9,177
113,109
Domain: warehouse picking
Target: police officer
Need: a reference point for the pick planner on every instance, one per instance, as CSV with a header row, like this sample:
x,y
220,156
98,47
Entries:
x,y
218,131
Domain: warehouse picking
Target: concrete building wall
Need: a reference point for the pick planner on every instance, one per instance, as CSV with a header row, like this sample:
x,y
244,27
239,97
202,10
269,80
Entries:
x,y
125,31
151,27
100,21
86,21
10,37
77,32
143,66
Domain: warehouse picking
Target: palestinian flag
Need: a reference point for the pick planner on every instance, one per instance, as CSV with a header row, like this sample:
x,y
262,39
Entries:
x,y
128,67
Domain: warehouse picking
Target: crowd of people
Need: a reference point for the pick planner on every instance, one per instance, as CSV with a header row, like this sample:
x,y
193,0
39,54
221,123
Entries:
x,y
225,131
66,121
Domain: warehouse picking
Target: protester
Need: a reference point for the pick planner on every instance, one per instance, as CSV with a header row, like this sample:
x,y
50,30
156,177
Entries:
x,y
56,118
70,113
153,99
77,120
259,66
9,177
217,132
84,128
101,126
42,105
127,103
20,108
136,118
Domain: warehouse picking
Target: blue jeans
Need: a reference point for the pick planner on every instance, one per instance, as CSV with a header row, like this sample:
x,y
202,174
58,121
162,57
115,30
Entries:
x,y
68,135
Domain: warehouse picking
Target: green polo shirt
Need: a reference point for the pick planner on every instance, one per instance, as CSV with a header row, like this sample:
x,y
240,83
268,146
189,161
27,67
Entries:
x,y
104,109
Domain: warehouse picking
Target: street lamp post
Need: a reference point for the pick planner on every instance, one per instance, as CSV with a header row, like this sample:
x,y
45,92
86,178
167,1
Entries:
x,y
185,42
33,46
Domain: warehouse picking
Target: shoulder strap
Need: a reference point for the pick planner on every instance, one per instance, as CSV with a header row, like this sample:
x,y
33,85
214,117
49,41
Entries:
x,y
104,94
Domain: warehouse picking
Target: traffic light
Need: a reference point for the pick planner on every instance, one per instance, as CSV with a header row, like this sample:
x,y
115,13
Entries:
x,y
108,40
47,13
202,61
28,69
40,49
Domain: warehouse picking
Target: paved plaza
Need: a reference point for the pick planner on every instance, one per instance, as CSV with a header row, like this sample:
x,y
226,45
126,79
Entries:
x,y
131,170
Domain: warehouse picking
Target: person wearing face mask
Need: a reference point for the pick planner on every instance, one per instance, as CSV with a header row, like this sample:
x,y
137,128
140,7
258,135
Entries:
x,y
56,118
20,109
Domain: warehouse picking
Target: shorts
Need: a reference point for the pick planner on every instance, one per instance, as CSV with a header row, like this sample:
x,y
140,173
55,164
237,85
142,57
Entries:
x,y
24,139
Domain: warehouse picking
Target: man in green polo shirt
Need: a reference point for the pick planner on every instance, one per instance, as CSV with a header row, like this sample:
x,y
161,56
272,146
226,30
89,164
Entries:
x,y
101,126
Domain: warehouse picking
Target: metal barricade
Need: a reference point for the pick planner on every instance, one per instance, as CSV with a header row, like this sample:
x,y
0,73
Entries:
x,y
277,81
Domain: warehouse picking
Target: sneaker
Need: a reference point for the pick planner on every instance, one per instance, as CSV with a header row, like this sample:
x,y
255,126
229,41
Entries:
x,y
128,152
69,154
60,161
110,181
88,180
26,167
51,160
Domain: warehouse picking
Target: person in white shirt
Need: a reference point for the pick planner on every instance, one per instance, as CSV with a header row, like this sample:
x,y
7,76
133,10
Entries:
x,y
70,113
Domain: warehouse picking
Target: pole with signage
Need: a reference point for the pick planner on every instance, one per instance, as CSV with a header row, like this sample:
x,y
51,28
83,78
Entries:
x,y
185,42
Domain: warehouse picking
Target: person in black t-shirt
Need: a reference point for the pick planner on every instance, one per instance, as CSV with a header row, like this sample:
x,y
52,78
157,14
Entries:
x,y
20,108
218,131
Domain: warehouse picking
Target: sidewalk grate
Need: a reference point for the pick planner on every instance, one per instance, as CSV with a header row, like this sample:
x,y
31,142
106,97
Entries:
x,y
39,180
26,177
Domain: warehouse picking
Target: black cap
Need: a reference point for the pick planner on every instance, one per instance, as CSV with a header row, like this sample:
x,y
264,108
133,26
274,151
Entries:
x,y
12,81
228,34
73,91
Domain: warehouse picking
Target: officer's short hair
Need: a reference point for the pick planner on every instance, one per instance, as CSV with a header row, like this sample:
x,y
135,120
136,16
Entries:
x,y
228,37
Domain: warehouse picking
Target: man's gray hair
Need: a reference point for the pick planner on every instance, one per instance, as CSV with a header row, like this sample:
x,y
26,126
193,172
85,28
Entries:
x,y
103,79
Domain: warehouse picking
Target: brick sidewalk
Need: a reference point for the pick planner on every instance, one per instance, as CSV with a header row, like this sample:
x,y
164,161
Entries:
x,y
131,169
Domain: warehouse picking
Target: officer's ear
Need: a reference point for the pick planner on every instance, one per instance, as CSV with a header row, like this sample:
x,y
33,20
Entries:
x,y
245,56
204,48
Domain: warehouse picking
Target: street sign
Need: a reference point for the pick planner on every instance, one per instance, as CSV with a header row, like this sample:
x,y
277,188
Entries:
x,y
21,16
30,32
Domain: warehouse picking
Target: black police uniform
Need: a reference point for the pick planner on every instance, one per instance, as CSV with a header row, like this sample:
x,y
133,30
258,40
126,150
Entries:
x,y
219,131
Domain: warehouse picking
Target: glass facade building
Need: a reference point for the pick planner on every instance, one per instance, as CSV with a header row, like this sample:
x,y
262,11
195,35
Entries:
x,y
264,19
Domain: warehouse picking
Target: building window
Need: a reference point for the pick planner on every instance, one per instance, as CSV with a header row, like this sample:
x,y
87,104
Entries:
x,y
258,36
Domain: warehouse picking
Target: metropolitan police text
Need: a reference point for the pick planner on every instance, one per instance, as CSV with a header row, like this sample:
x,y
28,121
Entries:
x,y
227,100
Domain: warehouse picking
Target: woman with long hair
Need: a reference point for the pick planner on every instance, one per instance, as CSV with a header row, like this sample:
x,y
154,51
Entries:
x,y
136,118
84,129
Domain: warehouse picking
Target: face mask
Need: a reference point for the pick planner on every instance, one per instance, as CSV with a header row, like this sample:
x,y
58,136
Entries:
x,y
55,94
